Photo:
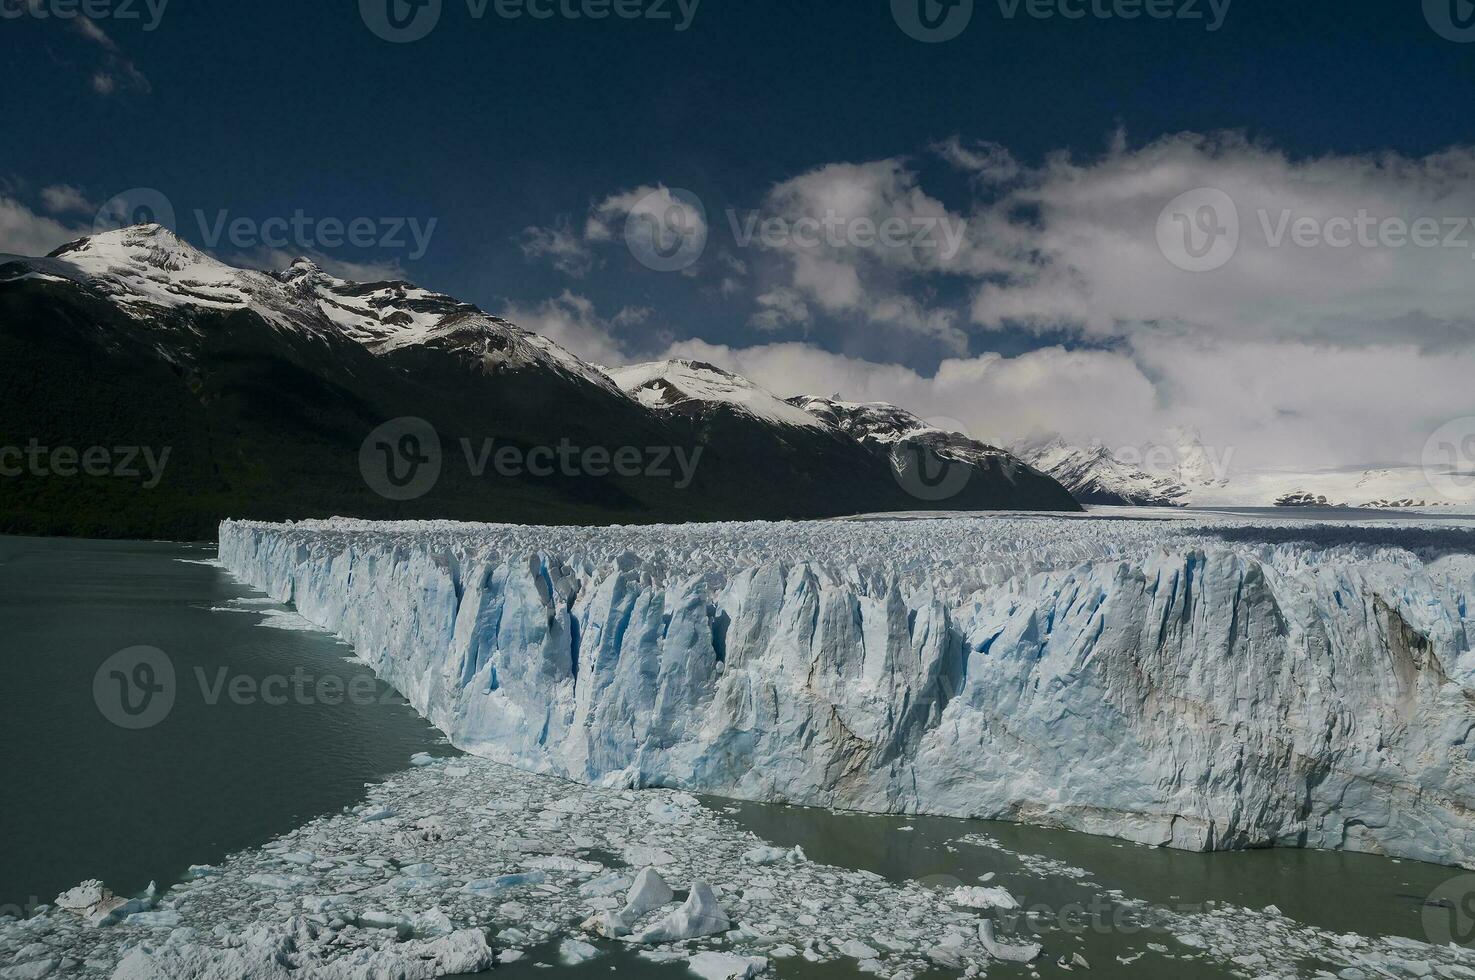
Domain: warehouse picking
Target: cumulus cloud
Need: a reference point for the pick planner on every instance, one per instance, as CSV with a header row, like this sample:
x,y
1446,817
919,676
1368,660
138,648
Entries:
x,y
1261,405
1091,255
1258,405
64,199
24,232
1339,330
779,308
653,220
561,245
988,162
572,322
861,242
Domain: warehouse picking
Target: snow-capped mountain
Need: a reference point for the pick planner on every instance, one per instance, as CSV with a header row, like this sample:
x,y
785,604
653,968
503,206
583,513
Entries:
x,y
146,269
1379,488
265,387
1192,463
1182,471
884,426
1094,475
928,465
693,386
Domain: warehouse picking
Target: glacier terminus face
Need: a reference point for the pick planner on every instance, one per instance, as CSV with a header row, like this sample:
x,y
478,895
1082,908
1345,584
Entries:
x,y
1205,683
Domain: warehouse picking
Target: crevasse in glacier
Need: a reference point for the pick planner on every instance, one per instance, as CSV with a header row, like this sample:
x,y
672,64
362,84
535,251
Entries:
x,y
1203,685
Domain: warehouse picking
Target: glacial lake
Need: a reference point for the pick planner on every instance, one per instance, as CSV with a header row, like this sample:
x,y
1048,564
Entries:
x,y
272,724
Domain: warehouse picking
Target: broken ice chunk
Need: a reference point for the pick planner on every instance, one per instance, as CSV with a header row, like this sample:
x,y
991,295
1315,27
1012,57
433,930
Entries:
x,y
726,966
1023,953
699,915
650,891
975,897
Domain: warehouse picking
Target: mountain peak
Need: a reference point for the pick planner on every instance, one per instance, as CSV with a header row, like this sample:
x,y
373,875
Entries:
x,y
682,381
151,245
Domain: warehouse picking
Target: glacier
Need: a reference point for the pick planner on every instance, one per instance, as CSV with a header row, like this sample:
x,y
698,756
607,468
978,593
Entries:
x,y
1205,683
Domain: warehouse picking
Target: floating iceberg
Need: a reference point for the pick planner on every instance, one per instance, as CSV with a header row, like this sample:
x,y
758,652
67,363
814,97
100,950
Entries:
x,y
1204,684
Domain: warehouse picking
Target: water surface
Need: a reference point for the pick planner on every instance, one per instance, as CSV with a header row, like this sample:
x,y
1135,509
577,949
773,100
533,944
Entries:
x,y
85,798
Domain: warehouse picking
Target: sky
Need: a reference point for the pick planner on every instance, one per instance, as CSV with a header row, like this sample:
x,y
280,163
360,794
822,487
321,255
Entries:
x,y
1102,218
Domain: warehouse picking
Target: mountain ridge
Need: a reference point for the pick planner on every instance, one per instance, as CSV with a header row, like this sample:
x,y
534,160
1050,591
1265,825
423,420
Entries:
x,y
267,386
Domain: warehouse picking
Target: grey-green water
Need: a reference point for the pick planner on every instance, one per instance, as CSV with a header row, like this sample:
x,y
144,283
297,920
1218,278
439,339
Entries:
x,y
84,798
87,798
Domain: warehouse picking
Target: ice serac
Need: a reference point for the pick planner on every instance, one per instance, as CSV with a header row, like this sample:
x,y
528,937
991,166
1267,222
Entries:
x,y
1206,685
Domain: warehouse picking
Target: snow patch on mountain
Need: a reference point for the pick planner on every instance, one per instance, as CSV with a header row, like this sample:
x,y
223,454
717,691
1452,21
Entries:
x,y
1095,475
147,269
885,426
685,384
1380,487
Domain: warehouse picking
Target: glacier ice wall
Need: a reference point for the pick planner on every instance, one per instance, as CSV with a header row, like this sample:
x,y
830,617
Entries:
x,y
1211,685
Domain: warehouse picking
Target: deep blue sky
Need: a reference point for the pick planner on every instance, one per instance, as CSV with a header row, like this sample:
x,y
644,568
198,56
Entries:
x,y
492,126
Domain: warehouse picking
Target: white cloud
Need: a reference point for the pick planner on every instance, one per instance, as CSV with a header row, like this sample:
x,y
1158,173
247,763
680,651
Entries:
x,y
572,322
780,308
1089,254
561,245
1323,355
1262,405
64,198
652,218
997,399
656,209
116,73
988,162
24,232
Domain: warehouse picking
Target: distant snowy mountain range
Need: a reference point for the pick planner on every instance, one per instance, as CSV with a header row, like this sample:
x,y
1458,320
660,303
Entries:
x,y
1181,471
268,391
